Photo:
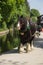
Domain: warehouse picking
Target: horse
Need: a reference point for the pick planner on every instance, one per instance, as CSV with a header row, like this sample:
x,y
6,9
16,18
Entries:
x,y
27,31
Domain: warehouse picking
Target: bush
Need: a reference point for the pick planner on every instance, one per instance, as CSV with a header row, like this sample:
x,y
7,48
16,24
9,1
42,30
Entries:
x,y
2,40
0,50
34,19
16,42
4,26
8,46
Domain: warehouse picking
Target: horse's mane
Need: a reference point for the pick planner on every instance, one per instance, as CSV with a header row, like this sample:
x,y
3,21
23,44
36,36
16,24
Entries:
x,y
23,22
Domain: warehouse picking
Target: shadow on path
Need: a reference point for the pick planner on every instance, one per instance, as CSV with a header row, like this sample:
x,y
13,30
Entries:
x,y
15,50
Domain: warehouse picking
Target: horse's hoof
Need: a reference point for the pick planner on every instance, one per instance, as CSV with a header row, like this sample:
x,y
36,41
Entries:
x,y
24,48
26,51
20,52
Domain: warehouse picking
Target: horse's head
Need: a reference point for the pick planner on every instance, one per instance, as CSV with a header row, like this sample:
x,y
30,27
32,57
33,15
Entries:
x,y
22,23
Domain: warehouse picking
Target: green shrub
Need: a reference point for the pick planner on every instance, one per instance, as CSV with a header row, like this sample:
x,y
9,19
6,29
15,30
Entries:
x,y
4,26
34,19
16,42
3,38
8,46
0,50
2,41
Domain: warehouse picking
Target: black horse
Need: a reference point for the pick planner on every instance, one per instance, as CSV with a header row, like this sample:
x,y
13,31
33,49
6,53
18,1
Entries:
x,y
27,30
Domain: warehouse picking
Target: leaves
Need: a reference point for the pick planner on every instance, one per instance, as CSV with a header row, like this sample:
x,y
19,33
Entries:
x,y
10,9
0,17
34,12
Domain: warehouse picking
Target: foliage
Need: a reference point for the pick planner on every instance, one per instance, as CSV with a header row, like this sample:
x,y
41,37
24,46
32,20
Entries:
x,y
4,25
10,9
16,41
2,41
23,8
34,19
0,17
6,43
35,12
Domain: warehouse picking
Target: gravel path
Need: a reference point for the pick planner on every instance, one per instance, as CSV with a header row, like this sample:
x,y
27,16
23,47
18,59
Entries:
x,y
35,57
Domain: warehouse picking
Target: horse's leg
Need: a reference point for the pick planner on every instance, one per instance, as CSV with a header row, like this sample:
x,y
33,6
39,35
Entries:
x,y
28,48
32,45
20,48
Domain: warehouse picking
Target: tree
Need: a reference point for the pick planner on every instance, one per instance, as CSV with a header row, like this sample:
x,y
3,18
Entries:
x,y
23,7
27,7
13,8
34,12
7,10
